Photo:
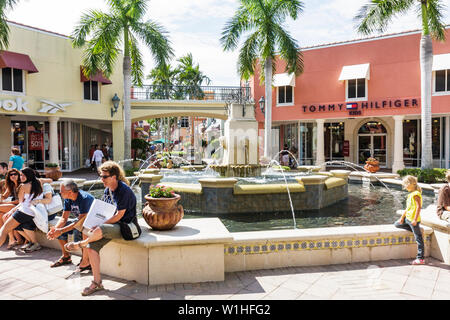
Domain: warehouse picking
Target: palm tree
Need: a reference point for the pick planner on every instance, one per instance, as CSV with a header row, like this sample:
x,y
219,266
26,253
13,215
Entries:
x,y
4,29
163,79
263,19
190,77
376,15
122,26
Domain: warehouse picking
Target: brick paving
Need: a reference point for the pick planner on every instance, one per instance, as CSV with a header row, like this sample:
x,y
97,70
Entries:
x,y
29,277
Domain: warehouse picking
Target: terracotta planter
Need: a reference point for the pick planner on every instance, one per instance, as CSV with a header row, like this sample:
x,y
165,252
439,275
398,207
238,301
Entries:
x,y
53,173
372,166
162,213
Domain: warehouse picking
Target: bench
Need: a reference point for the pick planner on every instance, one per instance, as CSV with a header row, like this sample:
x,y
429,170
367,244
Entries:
x,y
440,248
191,252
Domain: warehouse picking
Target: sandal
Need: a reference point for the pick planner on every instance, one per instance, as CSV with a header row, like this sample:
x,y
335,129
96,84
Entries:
x,y
12,246
62,261
90,290
74,246
81,269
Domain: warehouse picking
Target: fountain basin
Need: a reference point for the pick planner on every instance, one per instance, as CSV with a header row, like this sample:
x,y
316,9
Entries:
x,y
218,196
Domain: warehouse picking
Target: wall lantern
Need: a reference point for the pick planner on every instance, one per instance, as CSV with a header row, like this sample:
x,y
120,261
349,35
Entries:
x,y
262,103
115,101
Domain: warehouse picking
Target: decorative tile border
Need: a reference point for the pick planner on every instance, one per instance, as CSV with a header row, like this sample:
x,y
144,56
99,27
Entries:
x,y
258,248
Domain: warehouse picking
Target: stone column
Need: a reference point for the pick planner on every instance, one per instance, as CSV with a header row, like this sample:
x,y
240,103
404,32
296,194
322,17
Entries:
x,y
53,139
320,157
447,143
398,163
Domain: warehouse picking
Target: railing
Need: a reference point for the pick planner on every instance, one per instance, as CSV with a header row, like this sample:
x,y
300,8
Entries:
x,y
198,93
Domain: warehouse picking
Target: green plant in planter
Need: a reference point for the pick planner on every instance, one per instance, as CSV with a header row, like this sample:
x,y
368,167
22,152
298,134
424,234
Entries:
x,y
139,146
161,191
51,165
424,175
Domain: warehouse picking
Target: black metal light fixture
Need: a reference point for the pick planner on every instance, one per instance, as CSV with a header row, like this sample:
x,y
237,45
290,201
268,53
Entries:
x,y
262,103
115,101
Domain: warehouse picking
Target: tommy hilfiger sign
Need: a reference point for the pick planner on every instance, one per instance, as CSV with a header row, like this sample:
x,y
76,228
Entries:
x,y
355,108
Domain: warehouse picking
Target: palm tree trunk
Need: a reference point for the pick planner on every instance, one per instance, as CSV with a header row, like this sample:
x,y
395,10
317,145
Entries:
x,y
127,106
426,62
268,108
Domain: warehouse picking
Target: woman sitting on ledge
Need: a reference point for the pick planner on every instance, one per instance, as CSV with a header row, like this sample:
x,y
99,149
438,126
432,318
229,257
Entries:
x,y
443,204
120,194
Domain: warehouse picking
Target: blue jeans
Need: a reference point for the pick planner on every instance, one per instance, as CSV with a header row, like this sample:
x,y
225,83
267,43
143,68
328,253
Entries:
x,y
407,225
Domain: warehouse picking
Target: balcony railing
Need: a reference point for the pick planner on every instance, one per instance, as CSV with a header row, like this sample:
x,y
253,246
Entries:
x,y
193,93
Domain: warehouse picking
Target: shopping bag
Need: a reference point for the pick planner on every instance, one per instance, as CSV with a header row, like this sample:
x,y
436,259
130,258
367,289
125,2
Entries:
x,y
55,206
40,217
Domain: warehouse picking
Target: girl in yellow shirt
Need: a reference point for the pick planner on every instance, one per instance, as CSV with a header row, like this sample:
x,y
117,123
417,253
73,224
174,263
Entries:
x,y
410,219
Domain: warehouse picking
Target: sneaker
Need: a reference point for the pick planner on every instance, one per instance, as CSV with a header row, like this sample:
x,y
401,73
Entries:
x,y
25,246
418,261
34,247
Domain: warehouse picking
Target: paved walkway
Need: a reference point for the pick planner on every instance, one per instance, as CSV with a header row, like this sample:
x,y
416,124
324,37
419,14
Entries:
x,y
28,276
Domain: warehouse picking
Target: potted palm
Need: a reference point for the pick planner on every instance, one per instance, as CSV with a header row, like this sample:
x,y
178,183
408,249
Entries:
x,y
52,171
161,212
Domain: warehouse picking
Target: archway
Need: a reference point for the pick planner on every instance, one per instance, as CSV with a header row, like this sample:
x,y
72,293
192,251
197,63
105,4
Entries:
x,y
372,142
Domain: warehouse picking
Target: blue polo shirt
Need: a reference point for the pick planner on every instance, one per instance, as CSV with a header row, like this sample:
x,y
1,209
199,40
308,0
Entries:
x,y
81,205
123,198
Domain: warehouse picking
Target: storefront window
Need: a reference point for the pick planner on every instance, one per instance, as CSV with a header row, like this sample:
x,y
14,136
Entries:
x,y
410,143
19,136
436,141
334,141
308,143
36,130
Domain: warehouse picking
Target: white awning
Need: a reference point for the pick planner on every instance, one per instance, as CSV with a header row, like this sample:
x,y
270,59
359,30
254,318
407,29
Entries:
x,y
357,71
441,62
284,79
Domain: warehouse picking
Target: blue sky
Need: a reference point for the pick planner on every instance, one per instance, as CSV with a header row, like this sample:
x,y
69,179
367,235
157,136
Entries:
x,y
195,26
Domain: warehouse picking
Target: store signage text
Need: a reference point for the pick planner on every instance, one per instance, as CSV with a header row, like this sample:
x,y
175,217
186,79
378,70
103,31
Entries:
x,y
356,110
11,105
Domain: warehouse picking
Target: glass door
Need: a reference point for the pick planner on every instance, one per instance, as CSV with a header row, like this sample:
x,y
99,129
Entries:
x,y
372,146
365,148
379,149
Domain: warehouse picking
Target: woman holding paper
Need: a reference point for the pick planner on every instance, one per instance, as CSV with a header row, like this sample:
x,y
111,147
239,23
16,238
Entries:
x,y
120,194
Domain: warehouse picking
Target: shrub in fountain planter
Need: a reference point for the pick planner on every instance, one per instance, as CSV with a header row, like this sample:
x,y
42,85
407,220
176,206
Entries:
x,y
161,212
52,171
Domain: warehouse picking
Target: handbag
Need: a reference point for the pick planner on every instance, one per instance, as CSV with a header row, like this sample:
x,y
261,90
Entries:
x,y
55,206
40,217
130,231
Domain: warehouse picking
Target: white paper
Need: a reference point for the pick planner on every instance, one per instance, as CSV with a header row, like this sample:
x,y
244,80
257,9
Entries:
x,y
99,212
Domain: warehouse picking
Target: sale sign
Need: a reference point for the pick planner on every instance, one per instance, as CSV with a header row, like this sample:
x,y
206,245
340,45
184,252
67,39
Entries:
x,y
35,141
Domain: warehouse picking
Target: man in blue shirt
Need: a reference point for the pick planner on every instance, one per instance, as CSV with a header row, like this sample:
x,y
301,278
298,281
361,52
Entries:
x,y
76,202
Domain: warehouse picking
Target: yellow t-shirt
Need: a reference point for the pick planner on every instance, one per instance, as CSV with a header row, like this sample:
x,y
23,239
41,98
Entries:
x,y
411,207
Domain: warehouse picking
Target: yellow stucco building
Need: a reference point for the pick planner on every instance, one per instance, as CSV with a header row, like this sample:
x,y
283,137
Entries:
x,y
48,109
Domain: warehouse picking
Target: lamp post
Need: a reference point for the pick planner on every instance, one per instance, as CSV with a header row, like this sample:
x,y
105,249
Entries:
x,y
115,100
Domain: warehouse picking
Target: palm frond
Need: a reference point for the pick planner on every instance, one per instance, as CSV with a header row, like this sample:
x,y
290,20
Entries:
x,y
4,34
289,51
377,14
435,19
103,49
234,28
248,56
89,21
137,63
291,8
155,37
